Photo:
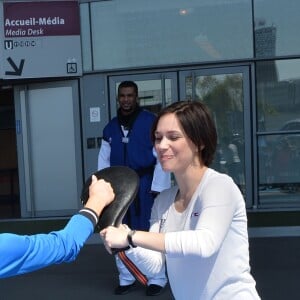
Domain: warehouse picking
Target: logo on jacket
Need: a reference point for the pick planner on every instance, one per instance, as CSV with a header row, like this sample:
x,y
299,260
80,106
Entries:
x,y
195,214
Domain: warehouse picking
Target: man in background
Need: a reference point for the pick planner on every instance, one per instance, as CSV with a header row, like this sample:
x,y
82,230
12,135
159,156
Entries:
x,y
126,142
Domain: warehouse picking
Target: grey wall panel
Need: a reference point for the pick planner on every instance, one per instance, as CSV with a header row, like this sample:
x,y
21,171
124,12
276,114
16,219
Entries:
x,y
95,115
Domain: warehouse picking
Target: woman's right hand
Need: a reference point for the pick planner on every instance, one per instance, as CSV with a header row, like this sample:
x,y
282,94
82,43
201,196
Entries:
x,y
115,237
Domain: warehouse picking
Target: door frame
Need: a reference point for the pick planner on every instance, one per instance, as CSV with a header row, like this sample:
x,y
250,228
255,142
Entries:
x,y
30,201
179,93
248,136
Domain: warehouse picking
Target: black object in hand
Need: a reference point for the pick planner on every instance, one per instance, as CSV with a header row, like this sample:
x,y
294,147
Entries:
x,y
125,183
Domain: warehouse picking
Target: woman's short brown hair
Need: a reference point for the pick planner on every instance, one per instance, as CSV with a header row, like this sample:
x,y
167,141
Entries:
x,y
198,125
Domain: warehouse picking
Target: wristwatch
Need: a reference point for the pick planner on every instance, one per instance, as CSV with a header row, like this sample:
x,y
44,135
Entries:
x,y
129,238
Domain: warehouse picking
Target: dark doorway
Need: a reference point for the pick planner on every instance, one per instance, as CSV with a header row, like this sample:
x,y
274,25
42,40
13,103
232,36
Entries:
x,y
9,181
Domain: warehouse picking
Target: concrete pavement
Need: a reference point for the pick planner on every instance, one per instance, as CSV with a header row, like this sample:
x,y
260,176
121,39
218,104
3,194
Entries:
x,y
275,265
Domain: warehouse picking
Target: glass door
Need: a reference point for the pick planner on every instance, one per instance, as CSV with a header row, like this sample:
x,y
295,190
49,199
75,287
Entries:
x,y
156,90
226,92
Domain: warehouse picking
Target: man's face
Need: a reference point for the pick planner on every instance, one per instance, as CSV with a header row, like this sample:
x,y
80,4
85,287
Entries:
x,y
127,99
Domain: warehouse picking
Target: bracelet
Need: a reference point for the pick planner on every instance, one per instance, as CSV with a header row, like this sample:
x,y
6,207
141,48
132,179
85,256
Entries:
x,y
129,238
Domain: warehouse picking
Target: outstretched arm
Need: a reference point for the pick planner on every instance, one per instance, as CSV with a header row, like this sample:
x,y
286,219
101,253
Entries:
x,y
21,254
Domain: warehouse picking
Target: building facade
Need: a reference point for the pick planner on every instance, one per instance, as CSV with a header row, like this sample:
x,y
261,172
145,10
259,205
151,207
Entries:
x,y
241,57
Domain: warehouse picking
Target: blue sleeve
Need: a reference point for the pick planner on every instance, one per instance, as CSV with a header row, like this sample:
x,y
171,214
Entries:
x,y
21,254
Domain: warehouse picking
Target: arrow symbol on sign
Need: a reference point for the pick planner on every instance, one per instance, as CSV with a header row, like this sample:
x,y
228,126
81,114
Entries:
x,y
17,69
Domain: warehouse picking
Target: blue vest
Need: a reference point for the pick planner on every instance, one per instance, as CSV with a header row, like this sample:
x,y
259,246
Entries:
x,y
135,151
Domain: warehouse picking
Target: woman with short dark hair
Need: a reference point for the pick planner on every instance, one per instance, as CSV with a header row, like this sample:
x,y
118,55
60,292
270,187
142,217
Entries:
x,y
199,226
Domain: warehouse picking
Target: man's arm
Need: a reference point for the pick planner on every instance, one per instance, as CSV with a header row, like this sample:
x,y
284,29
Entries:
x,y
104,155
21,254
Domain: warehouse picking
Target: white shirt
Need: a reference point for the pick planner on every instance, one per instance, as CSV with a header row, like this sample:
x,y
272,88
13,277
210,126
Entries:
x,y
209,258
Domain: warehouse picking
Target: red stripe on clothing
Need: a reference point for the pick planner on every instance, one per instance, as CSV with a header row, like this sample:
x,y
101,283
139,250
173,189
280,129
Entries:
x,y
133,268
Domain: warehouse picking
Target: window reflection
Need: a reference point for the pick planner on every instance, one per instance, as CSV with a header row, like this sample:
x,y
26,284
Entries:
x,y
279,158
278,93
278,111
130,33
279,172
276,23
223,93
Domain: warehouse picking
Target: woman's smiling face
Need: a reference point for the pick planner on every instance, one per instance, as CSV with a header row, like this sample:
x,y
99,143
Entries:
x,y
175,150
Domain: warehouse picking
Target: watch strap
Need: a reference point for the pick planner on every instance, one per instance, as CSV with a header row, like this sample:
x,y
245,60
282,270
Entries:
x,y
129,238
